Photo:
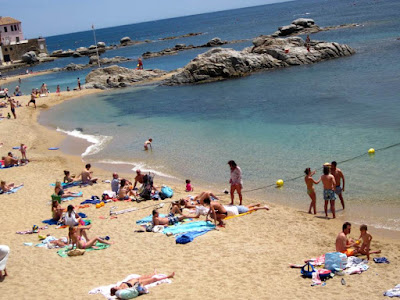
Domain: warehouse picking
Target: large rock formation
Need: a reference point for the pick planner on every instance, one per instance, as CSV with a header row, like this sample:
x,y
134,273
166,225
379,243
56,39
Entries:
x,y
93,60
115,77
267,53
29,57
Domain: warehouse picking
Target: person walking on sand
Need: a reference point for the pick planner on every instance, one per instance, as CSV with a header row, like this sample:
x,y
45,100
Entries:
x,y
235,181
338,174
33,98
310,189
147,144
12,107
79,84
329,191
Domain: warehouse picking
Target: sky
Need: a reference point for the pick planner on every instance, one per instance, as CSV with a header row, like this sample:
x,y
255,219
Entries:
x,y
53,17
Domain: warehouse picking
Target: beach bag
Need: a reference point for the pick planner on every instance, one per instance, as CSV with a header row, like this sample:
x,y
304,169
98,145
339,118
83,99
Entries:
x,y
129,293
335,260
166,192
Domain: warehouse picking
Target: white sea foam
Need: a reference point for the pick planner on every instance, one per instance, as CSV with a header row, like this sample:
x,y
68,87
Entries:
x,y
98,141
140,165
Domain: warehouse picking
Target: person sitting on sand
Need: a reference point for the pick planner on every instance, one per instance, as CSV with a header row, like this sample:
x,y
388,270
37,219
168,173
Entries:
x,y
142,281
366,238
81,243
343,244
64,193
86,175
147,144
67,177
56,210
138,178
8,187
328,180
124,191
310,189
170,220
10,161
71,218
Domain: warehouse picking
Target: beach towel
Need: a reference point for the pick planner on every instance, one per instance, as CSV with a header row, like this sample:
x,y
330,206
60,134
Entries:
x,y
13,190
189,227
381,260
53,222
105,290
394,292
69,184
189,236
91,201
356,265
31,231
64,251
239,215
317,261
71,198
149,219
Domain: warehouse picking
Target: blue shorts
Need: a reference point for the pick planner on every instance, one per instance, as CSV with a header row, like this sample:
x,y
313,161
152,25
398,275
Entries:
x,y
172,220
329,195
242,209
338,190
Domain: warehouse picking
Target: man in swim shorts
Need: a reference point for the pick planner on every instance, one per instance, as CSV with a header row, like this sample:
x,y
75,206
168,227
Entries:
x,y
343,244
329,190
138,178
337,173
170,220
86,175
33,98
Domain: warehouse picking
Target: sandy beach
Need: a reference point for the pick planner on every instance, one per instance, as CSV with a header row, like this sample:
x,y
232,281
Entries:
x,y
248,259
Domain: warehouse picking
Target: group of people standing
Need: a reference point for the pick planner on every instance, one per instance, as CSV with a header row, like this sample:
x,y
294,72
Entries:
x,y
332,180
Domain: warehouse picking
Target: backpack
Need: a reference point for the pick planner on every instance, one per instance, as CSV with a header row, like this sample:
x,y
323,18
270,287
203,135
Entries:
x,y
166,192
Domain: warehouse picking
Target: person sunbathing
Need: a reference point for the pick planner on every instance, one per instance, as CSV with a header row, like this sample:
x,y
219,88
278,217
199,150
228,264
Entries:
x,y
141,281
170,220
56,210
6,187
79,241
200,198
58,190
250,208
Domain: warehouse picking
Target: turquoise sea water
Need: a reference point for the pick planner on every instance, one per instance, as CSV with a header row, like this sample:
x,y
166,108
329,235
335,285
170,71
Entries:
x,y
273,124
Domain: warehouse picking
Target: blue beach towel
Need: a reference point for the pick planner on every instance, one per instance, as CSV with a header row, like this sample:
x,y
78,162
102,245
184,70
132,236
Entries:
x,y
189,227
69,184
52,222
13,190
91,201
189,236
71,198
148,219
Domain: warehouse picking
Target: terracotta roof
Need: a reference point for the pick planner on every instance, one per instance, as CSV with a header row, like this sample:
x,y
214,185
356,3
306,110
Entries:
x,y
8,20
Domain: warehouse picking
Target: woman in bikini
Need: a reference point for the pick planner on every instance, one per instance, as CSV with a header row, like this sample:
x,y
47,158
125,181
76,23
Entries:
x,y
57,210
58,190
310,189
80,242
142,281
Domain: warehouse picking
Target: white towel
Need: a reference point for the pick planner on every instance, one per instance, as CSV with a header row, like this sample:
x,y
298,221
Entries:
x,y
105,290
4,252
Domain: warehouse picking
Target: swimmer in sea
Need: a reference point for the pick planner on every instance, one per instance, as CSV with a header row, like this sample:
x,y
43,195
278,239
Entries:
x,y
147,144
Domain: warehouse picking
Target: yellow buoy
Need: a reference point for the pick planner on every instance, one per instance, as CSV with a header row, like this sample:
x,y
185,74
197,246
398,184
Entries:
x,y
279,182
371,151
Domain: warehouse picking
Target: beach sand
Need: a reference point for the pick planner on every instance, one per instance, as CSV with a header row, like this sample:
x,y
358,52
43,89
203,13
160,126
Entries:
x,y
246,260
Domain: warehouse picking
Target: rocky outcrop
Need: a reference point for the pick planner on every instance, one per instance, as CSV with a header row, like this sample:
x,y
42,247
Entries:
x,y
93,60
125,40
267,53
29,57
180,36
116,77
182,47
306,26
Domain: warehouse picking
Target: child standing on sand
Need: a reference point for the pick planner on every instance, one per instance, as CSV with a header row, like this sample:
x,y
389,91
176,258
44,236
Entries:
x,y
189,187
23,152
366,241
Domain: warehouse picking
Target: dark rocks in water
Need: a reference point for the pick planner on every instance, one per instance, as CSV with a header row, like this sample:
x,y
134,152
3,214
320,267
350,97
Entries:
x,y
180,36
116,77
29,57
268,53
125,40
93,60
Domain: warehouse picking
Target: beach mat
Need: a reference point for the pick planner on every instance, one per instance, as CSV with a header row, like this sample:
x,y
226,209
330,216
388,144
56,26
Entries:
x,y
189,236
63,252
189,227
13,190
105,290
52,222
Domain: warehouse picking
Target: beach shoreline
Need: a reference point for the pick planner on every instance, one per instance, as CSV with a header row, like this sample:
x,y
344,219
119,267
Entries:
x,y
268,249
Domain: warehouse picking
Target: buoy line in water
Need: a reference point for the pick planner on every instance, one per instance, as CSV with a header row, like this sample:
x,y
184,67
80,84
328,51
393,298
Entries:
x,y
280,182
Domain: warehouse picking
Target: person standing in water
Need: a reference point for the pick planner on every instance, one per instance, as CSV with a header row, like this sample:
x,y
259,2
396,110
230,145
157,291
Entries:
x,y
147,144
310,189
235,181
337,173
329,190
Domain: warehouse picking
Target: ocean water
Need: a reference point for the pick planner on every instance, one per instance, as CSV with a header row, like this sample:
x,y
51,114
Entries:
x,y
273,124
